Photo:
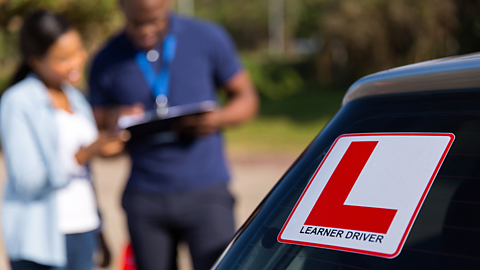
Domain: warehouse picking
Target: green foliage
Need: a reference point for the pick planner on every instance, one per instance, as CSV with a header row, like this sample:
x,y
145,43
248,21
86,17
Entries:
x,y
94,19
359,36
364,36
4,77
287,125
274,78
245,20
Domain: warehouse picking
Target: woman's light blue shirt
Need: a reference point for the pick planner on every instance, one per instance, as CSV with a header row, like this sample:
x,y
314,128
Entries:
x,y
29,142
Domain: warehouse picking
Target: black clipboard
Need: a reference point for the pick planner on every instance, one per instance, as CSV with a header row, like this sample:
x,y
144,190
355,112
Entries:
x,y
152,123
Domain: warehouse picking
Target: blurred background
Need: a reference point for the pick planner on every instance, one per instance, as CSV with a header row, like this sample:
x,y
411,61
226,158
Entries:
x,y
302,56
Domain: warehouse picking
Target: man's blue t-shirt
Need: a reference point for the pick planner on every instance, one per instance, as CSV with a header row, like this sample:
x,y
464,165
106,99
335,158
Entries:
x,y
205,59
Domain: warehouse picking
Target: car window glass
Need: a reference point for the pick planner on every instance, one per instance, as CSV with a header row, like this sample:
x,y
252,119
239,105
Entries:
x,y
446,233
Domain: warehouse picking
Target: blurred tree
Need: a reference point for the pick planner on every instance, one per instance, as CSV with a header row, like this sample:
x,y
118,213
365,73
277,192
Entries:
x,y
363,36
94,19
352,37
468,33
247,21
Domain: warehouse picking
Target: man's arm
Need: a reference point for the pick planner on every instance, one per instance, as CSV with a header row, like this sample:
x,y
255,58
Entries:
x,y
242,103
106,117
241,106
101,116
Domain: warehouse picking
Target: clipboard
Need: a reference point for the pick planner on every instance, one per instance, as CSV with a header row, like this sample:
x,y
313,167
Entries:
x,y
151,123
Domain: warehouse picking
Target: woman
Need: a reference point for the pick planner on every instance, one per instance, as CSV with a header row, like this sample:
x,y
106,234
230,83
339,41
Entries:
x,y
48,135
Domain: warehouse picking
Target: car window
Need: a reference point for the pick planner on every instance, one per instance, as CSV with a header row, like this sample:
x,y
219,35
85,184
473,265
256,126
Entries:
x,y
446,233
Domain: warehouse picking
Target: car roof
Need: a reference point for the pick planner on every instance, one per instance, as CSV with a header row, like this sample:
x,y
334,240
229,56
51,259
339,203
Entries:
x,y
457,72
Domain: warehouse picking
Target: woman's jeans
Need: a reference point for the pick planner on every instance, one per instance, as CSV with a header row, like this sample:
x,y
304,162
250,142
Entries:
x,y
80,249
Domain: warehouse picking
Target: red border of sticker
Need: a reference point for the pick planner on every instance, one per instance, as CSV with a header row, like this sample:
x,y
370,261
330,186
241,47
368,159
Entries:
x,y
414,216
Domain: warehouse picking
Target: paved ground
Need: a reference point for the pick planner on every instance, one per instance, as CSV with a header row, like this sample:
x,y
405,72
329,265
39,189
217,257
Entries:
x,y
253,177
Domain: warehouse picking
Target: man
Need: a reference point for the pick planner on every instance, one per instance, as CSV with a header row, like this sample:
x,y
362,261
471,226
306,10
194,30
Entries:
x,y
177,190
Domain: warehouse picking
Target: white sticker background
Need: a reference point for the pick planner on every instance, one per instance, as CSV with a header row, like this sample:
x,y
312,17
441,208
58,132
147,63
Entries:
x,y
395,177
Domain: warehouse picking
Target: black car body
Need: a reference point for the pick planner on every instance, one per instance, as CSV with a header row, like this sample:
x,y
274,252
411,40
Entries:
x,y
435,98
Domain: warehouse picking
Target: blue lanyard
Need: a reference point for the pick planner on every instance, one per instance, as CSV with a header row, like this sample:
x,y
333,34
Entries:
x,y
159,83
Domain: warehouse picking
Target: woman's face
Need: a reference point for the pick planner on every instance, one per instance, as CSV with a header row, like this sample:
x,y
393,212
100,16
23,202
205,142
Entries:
x,y
63,62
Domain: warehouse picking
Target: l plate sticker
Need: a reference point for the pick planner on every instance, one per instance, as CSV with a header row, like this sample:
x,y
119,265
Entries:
x,y
366,193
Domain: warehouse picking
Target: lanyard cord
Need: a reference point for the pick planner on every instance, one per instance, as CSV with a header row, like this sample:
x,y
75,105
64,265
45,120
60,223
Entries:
x,y
159,83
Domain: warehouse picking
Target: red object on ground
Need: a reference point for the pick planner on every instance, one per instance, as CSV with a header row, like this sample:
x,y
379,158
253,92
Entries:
x,y
128,262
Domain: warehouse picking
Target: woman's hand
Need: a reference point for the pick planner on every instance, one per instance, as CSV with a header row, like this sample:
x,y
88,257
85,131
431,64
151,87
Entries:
x,y
112,144
107,145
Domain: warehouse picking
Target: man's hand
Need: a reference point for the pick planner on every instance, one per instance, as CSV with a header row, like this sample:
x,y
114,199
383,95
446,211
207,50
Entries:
x,y
136,108
107,118
110,145
200,125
